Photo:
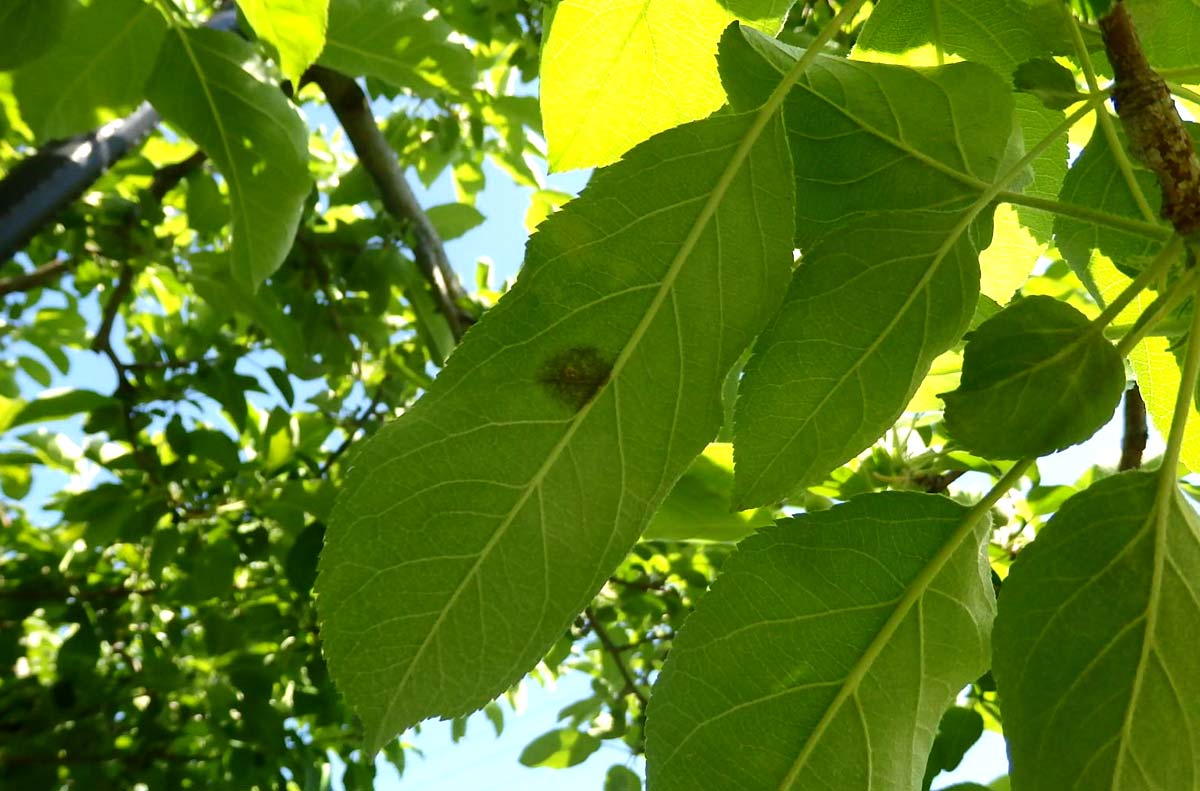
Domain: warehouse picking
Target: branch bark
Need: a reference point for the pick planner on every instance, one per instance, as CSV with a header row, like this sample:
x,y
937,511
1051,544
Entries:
x,y
1133,442
349,104
41,276
1157,136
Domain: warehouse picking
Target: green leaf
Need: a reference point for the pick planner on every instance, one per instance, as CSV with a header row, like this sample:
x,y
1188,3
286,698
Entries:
x,y
958,731
295,28
622,778
859,328
1095,182
698,507
1095,651
860,623
857,130
1051,82
996,33
255,137
452,220
1037,377
597,93
559,749
1167,29
593,383
55,405
97,71
399,41
1001,34
28,28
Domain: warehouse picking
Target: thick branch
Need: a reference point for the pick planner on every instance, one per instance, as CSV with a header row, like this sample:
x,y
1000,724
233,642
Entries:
x,y
1157,136
1133,442
349,104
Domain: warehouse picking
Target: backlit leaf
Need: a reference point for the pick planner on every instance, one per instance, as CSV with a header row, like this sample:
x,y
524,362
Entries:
x,y
614,74
1095,653
860,624
295,28
650,283
258,142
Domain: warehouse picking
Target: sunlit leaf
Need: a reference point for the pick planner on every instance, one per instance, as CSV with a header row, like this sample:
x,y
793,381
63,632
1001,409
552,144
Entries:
x,y
295,28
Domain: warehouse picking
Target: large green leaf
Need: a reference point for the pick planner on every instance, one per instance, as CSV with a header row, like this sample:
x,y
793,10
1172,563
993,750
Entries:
x,y
1167,29
827,650
28,28
1095,645
860,326
869,137
402,42
481,522
95,73
295,28
613,74
1036,378
1001,34
251,132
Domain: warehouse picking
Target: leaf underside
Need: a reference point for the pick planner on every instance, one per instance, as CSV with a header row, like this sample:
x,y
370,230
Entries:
x,y
482,521
838,639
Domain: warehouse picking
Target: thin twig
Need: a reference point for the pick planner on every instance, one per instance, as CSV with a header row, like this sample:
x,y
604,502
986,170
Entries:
x,y
631,686
166,177
1133,441
41,276
359,423
349,104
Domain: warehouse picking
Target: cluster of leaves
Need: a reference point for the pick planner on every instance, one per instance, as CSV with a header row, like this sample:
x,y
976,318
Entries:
x,y
840,244
921,177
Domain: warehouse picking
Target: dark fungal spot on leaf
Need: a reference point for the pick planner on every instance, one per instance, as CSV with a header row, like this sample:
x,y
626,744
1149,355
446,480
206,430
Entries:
x,y
574,376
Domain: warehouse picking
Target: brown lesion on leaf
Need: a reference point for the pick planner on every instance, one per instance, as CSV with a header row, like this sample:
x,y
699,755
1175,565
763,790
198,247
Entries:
x,y
574,375
1157,135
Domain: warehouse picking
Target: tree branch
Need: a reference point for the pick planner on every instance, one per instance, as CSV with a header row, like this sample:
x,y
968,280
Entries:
x,y
1133,442
41,276
631,686
1157,136
349,104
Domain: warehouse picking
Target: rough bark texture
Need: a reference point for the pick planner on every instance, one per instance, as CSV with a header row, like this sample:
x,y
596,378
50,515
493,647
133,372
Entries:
x,y
1157,136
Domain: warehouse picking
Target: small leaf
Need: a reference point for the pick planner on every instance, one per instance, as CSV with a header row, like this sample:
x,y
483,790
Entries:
x,y
295,28
559,749
958,731
252,133
592,384
402,42
614,74
698,507
1095,644
452,220
96,72
1049,81
860,625
858,330
59,404
622,778
1037,377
